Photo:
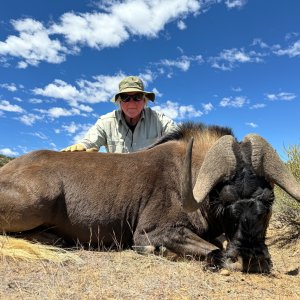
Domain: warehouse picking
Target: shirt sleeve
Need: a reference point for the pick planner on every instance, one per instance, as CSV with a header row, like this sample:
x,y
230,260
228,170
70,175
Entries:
x,y
95,136
168,124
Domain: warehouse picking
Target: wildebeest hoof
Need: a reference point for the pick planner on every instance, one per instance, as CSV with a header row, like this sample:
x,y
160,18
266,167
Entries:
x,y
145,250
234,264
214,260
248,265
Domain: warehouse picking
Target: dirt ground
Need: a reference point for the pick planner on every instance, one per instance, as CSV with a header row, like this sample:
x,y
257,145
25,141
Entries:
x,y
128,275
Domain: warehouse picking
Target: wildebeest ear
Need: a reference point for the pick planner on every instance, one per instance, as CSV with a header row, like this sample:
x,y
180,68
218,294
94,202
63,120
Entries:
x,y
267,163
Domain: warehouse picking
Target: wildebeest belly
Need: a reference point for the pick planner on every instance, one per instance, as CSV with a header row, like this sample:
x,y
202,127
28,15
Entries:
x,y
113,233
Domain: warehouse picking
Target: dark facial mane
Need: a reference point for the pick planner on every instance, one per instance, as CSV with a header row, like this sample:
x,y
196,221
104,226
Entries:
x,y
186,130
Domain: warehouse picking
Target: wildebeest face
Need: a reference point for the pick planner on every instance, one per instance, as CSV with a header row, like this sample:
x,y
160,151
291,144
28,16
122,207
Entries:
x,y
246,211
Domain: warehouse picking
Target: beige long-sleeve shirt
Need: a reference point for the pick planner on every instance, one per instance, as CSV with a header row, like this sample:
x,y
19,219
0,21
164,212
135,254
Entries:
x,y
112,131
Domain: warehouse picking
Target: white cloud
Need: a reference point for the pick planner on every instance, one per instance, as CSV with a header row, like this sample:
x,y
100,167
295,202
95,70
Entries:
x,y
157,92
30,119
74,127
8,152
9,86
57,112
22,65
133,14
281,96
207,107
24,149
251,124
82,131
85,108
58,89
291,35
39,135
258,105
176,111
53,145
230,58
147,76
236,89
96,30
33,44
118,21
259,42
122,19
236,102
100,90
181,25
71,128
235,3
183,63
292,51
35,101
6,106
18,99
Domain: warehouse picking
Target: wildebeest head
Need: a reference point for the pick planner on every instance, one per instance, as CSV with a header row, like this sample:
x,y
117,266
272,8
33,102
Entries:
x,y
236,180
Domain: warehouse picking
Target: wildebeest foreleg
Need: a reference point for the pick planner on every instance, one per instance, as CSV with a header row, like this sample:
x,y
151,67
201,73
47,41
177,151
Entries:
x,y
181,241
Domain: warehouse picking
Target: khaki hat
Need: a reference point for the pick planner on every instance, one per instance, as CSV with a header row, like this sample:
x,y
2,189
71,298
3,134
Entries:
x,y
132,84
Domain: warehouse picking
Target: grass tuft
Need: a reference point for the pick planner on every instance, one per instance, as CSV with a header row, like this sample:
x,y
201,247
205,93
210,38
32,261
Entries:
x,y
19,249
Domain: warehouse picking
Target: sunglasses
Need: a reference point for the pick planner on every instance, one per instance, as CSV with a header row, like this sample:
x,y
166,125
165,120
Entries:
x,y
136,97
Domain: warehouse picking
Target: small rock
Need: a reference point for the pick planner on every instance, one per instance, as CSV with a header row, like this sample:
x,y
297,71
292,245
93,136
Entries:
x,y
12,285
224,272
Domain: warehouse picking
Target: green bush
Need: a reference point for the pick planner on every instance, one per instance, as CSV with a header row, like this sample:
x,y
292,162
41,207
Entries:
x,y
4,160
287,209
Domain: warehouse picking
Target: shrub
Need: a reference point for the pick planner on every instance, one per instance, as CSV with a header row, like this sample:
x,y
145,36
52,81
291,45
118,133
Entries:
x,y
4,160
286,209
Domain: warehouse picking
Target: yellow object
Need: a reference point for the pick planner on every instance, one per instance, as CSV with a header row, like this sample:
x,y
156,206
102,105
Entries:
x,y
78,147
19,249
75,147
92,150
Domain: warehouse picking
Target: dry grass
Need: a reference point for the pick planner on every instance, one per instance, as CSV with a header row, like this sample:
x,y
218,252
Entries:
x,y
127,275
19,249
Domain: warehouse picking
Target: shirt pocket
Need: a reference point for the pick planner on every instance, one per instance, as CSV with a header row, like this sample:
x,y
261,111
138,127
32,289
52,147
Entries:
x,y
117,147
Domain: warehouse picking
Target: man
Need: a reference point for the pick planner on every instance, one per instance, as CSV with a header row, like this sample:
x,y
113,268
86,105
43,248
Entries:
x,y
131,127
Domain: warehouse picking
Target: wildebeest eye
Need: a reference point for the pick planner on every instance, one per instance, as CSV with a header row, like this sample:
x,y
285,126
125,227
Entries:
x,y
228,195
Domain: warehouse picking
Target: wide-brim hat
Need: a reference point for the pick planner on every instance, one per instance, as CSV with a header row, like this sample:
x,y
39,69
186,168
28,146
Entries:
x,y
132,84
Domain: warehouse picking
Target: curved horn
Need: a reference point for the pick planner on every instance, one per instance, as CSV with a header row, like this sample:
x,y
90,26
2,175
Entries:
x,y
267,163
218,163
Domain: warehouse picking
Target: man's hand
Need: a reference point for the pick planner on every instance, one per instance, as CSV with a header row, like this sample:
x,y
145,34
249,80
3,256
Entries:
x,y
78,147
92,150
73,148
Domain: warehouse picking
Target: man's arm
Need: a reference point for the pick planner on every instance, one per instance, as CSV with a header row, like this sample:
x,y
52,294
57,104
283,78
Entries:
x,y
92,141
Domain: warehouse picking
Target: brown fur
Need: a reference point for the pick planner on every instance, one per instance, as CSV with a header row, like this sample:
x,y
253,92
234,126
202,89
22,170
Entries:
x,y
104,199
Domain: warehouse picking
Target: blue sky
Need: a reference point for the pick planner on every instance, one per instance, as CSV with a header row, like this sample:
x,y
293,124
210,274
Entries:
x,y
234,63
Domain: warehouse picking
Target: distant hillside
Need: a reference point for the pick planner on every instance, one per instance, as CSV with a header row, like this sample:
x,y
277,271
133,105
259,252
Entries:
x,y
4,159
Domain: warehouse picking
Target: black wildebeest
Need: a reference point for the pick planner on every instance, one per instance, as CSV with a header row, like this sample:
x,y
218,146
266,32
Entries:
x,y
181,193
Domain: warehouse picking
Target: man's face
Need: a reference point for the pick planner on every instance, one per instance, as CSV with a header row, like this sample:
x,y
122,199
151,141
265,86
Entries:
x,y
132,108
